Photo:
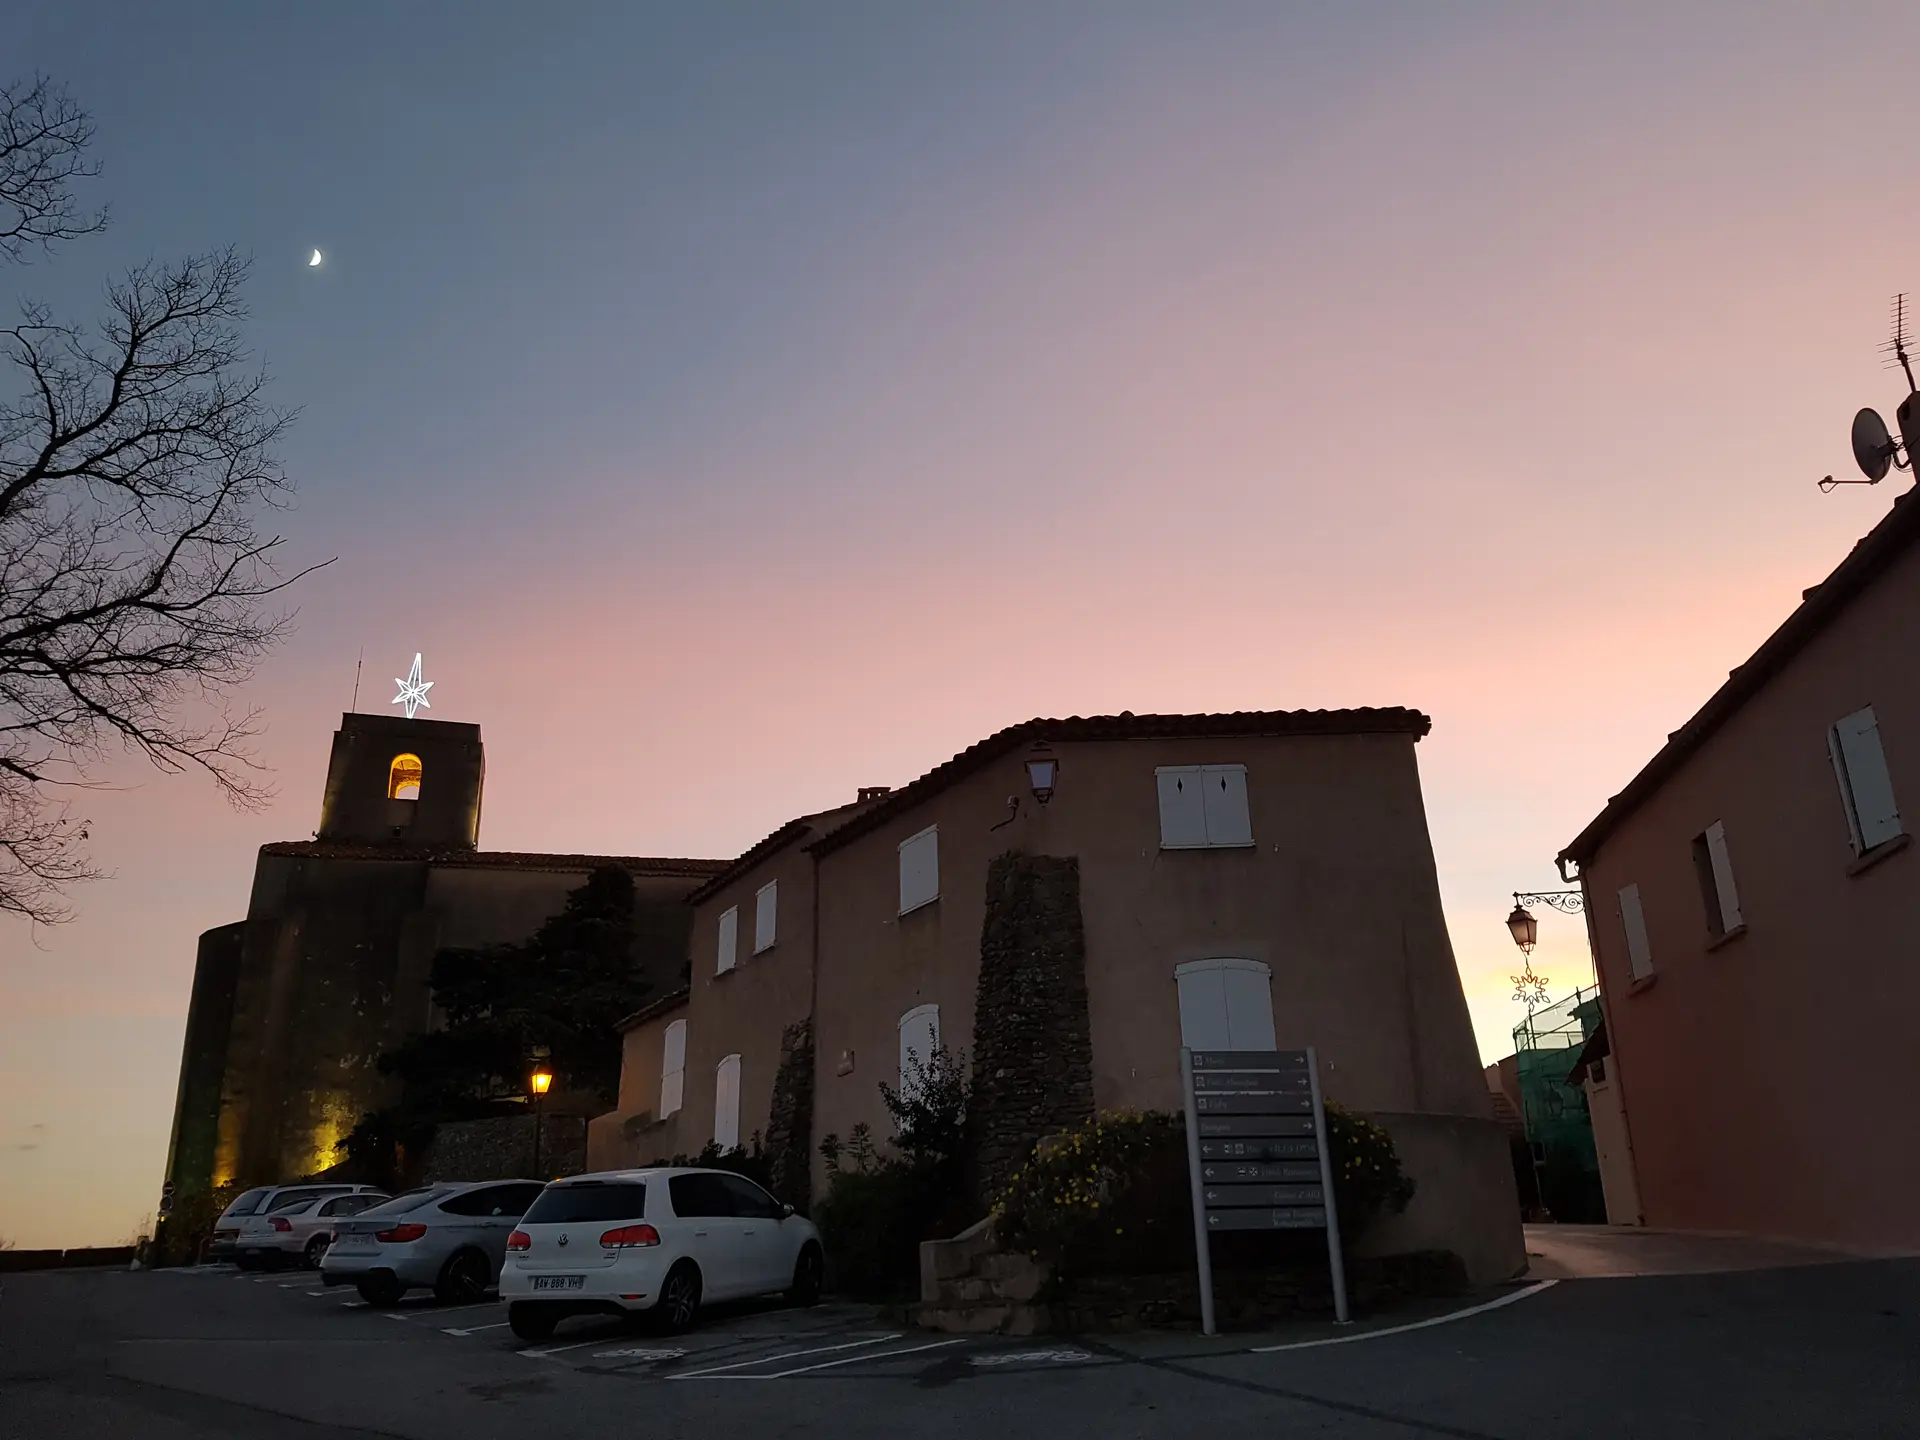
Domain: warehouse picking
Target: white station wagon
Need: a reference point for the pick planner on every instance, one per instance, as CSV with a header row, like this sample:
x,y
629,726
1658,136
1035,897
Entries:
x,y
662,1241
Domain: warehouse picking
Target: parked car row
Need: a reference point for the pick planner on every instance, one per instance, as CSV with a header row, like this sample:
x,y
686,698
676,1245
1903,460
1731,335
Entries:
x,y
661,1241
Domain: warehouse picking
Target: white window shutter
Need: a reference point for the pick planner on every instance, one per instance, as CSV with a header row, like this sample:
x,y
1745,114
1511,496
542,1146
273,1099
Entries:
x,y
919,1038
726,1103
1634,921
1723,876
1249,995
1225,807
729,940
1183,807
920,869
1203,1006
1865,777
673,1067
766,904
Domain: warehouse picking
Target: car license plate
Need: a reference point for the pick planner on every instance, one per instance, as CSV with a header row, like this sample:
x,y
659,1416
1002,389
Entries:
x,y
353,1242
559,1282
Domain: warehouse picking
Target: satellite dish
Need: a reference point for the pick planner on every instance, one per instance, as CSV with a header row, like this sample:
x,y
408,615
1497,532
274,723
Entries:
x,y
1873,447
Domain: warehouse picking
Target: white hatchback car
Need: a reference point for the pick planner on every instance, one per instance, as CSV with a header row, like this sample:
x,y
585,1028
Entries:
x,y
661,1241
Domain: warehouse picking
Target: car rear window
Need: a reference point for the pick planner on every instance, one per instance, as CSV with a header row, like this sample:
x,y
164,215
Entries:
x,y
590,1201
293,1200
411,1200
249,1202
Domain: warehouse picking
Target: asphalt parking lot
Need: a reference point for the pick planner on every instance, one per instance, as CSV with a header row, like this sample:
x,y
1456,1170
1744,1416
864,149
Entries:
x,y
1827,1350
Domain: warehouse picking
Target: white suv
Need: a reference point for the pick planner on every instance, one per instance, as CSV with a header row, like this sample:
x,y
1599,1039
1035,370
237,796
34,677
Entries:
x,y
661,1241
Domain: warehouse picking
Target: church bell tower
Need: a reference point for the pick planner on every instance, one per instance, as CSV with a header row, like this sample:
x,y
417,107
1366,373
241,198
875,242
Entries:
x,y
413,783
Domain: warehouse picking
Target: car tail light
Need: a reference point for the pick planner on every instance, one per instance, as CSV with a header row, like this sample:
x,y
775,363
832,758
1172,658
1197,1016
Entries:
x,y
281,1223
333,1237
399,1234
630,1235
519,1240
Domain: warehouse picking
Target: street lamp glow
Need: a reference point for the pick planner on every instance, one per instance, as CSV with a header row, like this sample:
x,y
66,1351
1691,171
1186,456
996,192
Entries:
x,y
542,1079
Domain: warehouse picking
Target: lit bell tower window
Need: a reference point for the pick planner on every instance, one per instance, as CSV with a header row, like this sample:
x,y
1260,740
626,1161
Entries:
x,y
403,778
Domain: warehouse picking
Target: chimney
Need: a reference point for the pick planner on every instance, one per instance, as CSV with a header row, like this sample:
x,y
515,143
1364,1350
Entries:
x,y
873,792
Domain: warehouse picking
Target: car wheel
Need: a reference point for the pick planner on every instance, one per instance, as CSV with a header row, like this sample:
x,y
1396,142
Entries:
x,y
805,1289
316,1252
531,1322
679,1298
464,1280
381,1293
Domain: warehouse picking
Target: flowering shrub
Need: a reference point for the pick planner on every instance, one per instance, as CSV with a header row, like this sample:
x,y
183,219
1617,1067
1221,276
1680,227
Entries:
x,y
1113,1193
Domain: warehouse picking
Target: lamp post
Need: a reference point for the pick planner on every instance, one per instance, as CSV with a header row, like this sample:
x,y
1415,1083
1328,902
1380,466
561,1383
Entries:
x,y
538,1083
1528,988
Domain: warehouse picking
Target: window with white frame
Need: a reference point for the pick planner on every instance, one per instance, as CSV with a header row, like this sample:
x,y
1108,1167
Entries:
x,y
726,1103
766,904
1203,807
1225,1004
1633,922
920,869
673,1068
1715,873
729,940
1866,786
919,1038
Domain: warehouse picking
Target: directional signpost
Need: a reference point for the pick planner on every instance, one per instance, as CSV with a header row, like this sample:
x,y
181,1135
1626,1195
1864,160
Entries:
x,y
1257,1154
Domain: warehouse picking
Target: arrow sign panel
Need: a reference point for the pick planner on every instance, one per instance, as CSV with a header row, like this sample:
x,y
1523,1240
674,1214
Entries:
x,y
1303,1172
1215,1126
1268,1149
1233,1197
1300,1104
1254,1082
1282,1060
1301,1217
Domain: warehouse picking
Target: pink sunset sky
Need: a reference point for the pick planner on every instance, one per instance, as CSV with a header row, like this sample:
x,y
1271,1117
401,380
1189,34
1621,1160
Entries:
x,y
865,386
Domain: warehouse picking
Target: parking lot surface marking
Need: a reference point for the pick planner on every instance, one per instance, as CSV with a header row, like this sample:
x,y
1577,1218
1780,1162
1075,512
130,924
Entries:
x,y
1385,1331
852,1360
787,1355
475,1329
1026,1357
638,1354
557,1349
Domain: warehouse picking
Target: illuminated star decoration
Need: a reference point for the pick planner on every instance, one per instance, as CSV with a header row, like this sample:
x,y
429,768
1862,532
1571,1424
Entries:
x,y
413,690
1530,989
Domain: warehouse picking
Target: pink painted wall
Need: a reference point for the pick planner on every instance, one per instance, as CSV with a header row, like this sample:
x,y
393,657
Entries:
x,y
1767,1080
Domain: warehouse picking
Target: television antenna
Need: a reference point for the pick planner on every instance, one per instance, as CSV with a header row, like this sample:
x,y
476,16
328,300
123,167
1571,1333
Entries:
x,y
1875,450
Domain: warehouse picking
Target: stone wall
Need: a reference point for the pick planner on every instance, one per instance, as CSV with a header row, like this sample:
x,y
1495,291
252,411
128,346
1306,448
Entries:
x,y
1032,1047
501,1148
789,1145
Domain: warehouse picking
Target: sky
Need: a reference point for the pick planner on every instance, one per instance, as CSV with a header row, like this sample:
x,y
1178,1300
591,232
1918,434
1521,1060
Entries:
x,y
740,404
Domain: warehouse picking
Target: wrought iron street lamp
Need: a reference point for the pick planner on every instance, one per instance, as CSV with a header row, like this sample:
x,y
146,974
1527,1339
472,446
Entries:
x,y
1042,768
1528,988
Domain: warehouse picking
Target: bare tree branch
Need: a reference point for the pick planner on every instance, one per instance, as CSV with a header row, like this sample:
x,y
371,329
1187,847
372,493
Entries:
x,y
43,149
137,588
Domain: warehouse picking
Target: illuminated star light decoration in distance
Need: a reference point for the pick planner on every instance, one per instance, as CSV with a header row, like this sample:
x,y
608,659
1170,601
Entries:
x,y
413,690
315,259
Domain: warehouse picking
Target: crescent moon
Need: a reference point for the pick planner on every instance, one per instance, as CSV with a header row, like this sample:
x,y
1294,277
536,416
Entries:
x,y
315,260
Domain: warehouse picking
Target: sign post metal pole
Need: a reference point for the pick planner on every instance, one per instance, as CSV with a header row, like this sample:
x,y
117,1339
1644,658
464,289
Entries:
x,y
1202,1250
1334,1258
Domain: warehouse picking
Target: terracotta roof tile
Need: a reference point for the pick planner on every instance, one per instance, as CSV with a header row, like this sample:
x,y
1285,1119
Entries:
x,y
825,821
1872,555
1394,720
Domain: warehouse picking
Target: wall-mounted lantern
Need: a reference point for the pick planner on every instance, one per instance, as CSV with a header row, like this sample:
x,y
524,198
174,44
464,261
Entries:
x,y
1042,770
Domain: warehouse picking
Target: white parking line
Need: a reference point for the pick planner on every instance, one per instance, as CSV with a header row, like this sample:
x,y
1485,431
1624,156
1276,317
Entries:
x,y
556,1349
318,1293
456,1309
787,1355
1446,1319
854,1360
391,1316
475,1329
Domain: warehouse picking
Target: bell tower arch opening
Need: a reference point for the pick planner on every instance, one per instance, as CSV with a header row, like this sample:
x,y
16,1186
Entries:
x,y
403,778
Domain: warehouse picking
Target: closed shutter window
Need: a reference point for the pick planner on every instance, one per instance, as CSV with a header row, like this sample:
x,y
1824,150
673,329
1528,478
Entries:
x,y
729,940
1183,807
765,904
726,1103
920,869
919,1038
1225,1005
1721,868
1203,806
1866,786
673,1068
1634,922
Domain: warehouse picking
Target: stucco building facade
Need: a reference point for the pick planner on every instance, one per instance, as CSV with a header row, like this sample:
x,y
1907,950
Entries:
x,y
1248,880
292,1006
1753,902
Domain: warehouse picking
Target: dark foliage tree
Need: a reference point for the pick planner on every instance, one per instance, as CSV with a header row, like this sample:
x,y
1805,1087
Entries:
x,y
134,467
561,991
